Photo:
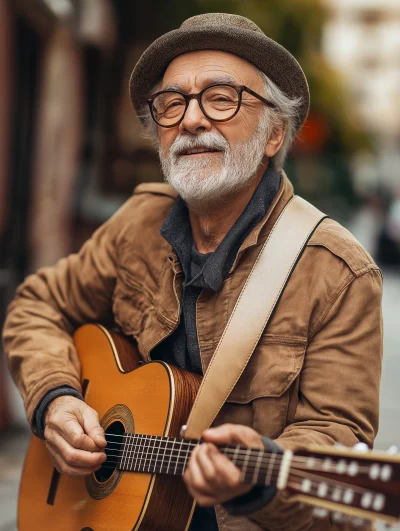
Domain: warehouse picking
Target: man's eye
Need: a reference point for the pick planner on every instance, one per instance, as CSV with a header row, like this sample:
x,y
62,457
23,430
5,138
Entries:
x,y
175,103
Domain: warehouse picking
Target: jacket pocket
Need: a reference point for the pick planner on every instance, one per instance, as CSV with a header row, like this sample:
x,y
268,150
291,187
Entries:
x,y
273,367
131,306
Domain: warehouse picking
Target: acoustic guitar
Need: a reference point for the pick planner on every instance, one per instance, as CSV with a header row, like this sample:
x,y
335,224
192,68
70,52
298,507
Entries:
x,y
142,408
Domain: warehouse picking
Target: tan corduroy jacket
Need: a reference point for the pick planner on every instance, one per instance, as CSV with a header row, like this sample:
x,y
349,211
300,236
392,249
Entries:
x,y
313,378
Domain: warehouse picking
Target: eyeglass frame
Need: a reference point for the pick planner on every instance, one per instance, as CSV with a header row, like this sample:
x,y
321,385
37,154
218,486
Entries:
x,y
188,97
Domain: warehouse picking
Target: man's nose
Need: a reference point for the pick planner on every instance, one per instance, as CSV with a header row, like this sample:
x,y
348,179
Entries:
x,y
195,120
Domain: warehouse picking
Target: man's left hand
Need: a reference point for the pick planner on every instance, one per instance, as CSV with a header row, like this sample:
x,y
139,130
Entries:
x,y
210,476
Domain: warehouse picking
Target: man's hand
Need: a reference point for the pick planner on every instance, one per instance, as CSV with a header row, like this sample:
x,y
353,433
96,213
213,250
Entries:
x,y
211,477
74,437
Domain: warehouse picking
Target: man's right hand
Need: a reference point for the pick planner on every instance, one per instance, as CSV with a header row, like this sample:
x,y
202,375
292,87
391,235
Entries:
x,y
74,437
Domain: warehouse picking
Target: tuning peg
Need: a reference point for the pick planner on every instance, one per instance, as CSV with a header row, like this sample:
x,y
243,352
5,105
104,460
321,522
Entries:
x,y
338,517
361,447
319,512
359,522
392,450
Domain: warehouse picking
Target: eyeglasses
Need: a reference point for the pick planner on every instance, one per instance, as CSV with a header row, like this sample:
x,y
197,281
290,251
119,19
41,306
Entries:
x,y
219,103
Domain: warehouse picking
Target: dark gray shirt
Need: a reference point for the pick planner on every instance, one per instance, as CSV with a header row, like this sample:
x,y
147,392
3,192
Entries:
x,y
206,271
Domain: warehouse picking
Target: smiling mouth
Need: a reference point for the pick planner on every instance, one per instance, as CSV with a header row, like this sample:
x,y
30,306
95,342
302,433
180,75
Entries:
x,y
199,151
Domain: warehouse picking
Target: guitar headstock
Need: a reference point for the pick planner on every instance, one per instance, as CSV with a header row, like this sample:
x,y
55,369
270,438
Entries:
x,y
364,485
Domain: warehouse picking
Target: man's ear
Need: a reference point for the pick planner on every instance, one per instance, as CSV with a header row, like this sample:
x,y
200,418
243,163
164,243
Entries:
x,y
275,142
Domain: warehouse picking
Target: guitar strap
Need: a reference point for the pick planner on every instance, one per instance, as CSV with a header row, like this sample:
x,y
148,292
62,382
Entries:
x,y
253,309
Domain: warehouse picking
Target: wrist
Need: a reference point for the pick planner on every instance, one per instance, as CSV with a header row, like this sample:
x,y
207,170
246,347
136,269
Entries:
x,y
57,402
38,420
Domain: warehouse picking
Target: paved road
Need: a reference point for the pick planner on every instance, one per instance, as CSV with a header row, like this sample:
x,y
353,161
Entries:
x,y
12,445
389,432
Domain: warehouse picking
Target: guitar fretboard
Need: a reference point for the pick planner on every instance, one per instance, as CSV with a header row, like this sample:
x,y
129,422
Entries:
x,y
167,455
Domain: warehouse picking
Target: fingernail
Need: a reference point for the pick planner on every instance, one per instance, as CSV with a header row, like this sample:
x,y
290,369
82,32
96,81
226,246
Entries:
x,y
100,438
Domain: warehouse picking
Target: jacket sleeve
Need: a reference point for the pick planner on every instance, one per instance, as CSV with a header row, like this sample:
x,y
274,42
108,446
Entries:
x,y
38,419
338,399
50,305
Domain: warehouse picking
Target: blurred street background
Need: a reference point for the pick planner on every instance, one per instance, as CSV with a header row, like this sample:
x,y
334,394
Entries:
x,y
71,150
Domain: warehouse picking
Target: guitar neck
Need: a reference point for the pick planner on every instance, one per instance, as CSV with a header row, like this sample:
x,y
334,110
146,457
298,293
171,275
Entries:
x,y
355,483
168,455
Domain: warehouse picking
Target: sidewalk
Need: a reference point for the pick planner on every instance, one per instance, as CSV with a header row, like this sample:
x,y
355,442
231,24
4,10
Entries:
x,y
13,445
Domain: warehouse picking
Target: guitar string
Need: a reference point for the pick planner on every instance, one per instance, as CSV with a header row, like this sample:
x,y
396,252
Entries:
x,y
172,440
187,451
166,440
251,458
296,472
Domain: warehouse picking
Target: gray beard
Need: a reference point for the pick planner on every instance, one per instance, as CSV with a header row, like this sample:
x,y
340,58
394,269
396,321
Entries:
x,y
209,180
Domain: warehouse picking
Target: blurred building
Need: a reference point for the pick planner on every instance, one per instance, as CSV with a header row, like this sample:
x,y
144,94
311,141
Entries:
x,y
361,39
70,144
71,148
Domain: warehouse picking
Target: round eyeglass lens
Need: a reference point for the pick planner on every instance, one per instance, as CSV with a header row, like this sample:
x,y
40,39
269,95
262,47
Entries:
x,y
168,108
220,102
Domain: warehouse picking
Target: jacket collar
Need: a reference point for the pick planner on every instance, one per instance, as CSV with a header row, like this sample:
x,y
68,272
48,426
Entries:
x,y
258,234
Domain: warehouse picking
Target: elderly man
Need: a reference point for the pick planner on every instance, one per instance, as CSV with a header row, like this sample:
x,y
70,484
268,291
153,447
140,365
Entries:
x,y
223,102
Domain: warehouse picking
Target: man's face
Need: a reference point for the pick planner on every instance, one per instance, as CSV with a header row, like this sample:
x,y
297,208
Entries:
x,y
192,72
224,156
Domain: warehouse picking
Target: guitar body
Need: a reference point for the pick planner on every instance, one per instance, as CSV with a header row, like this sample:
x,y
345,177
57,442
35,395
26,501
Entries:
x,y
152,399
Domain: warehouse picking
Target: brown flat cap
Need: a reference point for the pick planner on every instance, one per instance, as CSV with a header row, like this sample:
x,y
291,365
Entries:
x,y
229,33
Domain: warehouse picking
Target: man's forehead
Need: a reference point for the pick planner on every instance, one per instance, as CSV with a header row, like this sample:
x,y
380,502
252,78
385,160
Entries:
x,y
204,67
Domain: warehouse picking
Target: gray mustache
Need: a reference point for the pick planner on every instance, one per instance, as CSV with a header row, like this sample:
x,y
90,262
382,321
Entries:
x,y
206,140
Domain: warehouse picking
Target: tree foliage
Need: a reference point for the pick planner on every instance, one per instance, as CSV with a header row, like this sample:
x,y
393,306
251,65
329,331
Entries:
x,y
297,25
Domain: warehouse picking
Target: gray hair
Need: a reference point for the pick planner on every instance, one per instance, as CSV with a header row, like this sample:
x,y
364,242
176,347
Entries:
x,y
283,116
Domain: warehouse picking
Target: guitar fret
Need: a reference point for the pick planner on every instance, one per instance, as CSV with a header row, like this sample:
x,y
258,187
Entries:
x,y
128,452
163,455
236,454
135,466
131,442
141,468
177,460
158,452
132,448
270,469
121,459
169,460
188,454
257,467
144,453
245,464
135,449
145,458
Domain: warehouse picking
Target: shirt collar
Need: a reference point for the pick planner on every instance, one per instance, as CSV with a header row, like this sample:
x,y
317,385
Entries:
x,y
176,229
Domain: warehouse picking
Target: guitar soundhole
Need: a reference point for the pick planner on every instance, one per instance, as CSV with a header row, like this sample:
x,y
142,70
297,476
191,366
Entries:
x,y
117,421
114,434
